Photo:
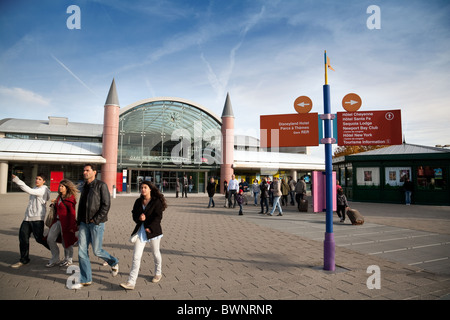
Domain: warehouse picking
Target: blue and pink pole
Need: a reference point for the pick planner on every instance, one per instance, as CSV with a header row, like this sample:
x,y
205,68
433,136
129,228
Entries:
x,y
329,243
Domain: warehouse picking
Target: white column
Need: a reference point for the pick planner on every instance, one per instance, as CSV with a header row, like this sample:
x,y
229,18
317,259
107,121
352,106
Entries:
x,y
3,177
294,175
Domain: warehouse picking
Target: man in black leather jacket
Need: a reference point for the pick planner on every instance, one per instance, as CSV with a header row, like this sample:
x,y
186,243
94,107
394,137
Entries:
x,y
92,214
94,203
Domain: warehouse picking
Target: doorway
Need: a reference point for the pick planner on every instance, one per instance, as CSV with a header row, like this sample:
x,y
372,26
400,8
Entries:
x,y
166,180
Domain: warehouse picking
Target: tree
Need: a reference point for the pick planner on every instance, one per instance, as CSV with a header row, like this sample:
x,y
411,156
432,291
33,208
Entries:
x,y
348,150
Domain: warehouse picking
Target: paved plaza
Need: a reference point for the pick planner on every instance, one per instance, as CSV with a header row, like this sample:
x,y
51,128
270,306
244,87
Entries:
x,y
215,254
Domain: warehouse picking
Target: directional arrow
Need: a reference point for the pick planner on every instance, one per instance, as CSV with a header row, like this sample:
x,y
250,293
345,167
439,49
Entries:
x,y
303,104
389,116
352,102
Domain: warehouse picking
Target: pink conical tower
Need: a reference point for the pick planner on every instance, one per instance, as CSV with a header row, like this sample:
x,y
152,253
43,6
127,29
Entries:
x,y
110,137
226,167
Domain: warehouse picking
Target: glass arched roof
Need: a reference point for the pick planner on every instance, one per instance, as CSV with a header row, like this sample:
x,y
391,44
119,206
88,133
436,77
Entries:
x,y
149,129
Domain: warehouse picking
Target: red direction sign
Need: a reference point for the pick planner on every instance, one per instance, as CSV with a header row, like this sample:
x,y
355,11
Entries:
x,y
289,130
369,128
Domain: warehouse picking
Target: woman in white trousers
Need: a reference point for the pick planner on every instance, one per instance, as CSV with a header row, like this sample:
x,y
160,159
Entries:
x,y
147,213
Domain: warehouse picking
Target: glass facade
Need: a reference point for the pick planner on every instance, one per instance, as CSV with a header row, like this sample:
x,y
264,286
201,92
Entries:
x,y
165,139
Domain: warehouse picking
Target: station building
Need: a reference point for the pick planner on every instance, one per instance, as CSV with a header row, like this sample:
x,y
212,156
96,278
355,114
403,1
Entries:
x,y
378,175
158,139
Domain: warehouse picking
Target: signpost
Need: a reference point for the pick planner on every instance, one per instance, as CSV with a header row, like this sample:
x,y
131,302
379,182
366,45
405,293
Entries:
x,y
329,243
353,128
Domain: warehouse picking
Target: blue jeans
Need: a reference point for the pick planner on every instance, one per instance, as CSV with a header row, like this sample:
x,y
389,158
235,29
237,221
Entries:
x,y
211,200
292,193
91,234
276,203
255,195
408,197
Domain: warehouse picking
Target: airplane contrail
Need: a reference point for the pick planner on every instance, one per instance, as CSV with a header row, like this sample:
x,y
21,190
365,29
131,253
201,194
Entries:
x,y
73,74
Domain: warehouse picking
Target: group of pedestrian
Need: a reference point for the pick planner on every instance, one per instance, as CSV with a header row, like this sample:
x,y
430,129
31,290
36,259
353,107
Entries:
x,y
88,225
277,192
234,193
184,186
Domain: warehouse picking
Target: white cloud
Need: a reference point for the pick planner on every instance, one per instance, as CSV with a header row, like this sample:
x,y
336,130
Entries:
x,y
10,97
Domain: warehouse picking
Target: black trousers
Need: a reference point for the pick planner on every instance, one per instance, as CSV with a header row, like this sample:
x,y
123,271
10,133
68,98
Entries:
x,y
26,229
232,193
341,210
298,198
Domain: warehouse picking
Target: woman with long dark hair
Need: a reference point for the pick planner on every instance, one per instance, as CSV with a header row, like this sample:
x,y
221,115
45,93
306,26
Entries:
x,y
64,224
147,214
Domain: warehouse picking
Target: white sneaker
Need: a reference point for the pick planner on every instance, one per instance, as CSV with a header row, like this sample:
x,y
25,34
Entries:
x,y
17,265
127,286
78,286
65,263
115,270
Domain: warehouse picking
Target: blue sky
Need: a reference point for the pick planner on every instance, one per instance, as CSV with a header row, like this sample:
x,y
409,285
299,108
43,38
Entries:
x,y
264,53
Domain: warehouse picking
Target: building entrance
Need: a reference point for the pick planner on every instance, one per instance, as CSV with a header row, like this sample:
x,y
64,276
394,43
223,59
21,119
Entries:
x,y
166,180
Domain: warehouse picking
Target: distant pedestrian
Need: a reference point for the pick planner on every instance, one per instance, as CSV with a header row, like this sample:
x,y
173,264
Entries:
x,y
185,186
225,191
64,224
284,192
240,200
211,189
177,187
33,221
147,213
342,204
292,184
276,197
338,186
190,183
256,189
233,187
300,191
270,183
264,190
408,187
243,185
93,211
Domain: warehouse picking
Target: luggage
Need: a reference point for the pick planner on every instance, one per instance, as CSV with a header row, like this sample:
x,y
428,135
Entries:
x,y
355,217
303,206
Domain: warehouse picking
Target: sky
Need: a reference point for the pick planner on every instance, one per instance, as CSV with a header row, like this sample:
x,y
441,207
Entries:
x,y
264,53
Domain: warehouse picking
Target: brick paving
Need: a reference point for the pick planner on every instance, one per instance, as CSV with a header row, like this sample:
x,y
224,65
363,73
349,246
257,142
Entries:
x,y
214,254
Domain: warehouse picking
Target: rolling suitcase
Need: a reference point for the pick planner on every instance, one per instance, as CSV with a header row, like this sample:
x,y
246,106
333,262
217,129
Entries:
x,y
303,206
355,217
